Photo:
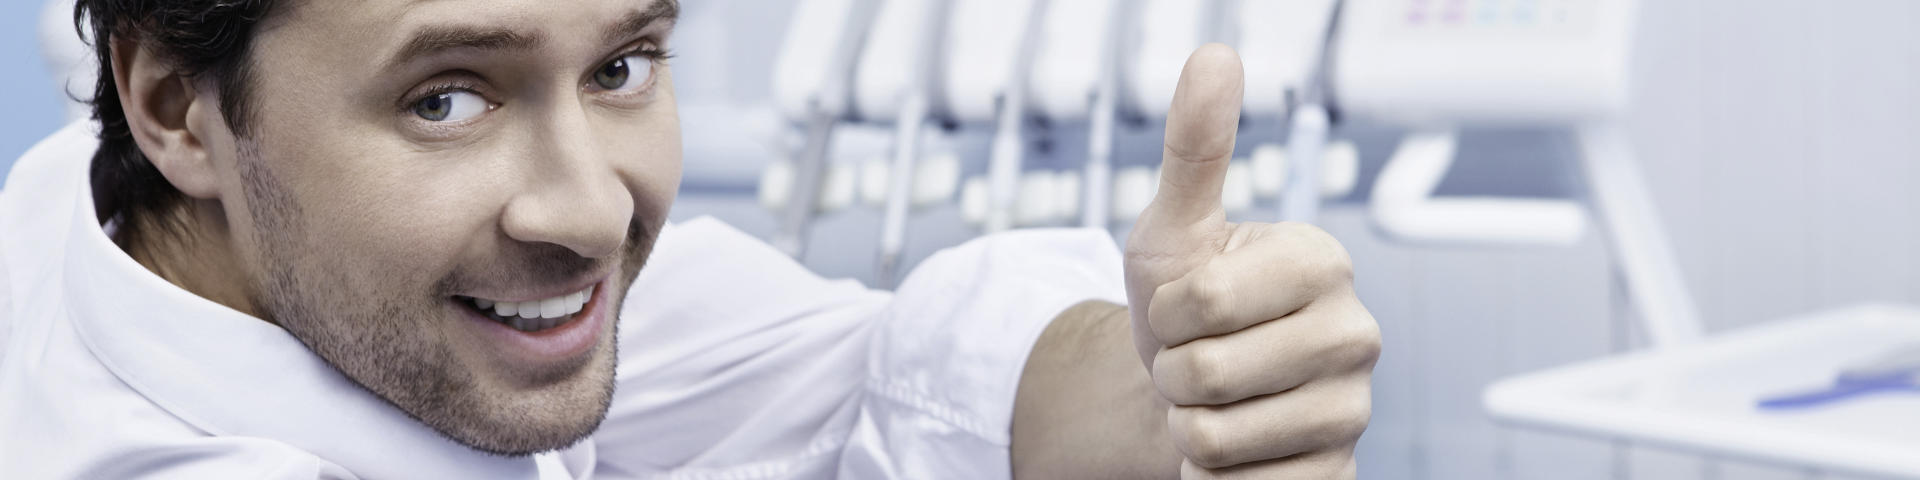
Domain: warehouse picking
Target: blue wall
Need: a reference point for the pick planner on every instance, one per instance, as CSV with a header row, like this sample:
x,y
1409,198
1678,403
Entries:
x,y
30,106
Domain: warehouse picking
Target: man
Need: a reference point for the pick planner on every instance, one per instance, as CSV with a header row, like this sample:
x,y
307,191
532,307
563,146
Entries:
x,y
400,239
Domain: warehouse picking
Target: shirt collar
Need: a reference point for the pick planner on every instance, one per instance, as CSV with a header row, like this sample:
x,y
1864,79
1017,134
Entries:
x,y
228,373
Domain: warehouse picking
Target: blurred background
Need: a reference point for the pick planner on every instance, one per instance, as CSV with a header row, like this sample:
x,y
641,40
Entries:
x,y
1603,238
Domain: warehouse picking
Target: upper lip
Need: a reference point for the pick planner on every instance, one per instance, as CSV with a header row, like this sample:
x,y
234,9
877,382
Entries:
x,y
540,292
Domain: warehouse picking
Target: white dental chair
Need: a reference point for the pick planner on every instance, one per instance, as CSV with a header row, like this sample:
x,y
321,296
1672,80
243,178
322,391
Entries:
x,y
1438,67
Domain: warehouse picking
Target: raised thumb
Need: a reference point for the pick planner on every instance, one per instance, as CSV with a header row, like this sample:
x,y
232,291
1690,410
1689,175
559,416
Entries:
x,y
1201,125
1186,225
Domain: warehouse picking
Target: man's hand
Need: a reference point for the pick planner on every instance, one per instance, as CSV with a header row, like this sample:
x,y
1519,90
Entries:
x,y
1251,331
1258,355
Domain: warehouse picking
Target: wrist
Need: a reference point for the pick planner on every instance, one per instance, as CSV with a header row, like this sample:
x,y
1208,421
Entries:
x,y
1086,408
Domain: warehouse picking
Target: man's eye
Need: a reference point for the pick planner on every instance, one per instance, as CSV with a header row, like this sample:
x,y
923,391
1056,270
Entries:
x,y
631,71
450,106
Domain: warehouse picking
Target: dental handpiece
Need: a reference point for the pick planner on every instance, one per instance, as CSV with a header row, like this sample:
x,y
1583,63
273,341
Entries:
x,y
1306,141
1009,148
900,67
1097,199
893,229
810,169
816,60
1307,133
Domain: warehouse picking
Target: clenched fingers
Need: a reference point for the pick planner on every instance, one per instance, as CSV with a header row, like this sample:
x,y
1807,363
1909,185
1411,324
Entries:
x,y
1326,339
1276,271
1335,465
1326,416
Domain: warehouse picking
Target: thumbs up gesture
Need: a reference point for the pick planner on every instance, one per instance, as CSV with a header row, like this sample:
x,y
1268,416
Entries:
x,y
1251,331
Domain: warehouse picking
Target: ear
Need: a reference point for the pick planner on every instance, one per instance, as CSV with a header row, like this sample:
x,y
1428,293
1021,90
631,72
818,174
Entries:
x,y
172,118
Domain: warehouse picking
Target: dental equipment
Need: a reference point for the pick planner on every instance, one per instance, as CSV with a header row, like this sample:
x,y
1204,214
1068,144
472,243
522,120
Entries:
x,y
1722,396
812,77
1438,66
1286,44
1167,31
1267,169
1308,127
894,78
1403,198
986,79
1076,77
1281,42
1441,66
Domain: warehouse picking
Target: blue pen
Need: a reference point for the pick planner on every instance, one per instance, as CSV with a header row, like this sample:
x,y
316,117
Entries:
x,y
1848,386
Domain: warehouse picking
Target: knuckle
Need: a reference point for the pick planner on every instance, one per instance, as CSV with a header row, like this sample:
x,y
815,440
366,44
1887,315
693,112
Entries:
x,y
1353,422
1212,298
1349,340
1323,255
1331,268
1208,375
1191,471
1339,467
1206,445
1361,343
1332,464
1344,411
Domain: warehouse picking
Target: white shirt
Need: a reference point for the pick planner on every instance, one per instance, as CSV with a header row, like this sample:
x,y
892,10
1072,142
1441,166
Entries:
x,y
735,362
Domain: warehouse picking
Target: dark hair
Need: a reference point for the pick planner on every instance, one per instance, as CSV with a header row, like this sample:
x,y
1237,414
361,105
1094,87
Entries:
x,y
195,37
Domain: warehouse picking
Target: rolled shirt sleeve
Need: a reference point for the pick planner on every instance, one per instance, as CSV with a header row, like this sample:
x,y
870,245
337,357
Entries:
x,y
738,363
945,364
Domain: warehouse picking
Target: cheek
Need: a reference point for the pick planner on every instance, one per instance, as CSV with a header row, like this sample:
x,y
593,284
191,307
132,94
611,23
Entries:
x,y
387,227
646,154
369,210
663,182
410,230
668,160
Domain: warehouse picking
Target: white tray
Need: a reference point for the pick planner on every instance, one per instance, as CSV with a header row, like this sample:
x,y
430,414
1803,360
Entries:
x,y
1704,397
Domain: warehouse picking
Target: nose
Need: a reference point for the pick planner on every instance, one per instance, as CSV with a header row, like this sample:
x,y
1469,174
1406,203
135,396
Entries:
x,y
573,197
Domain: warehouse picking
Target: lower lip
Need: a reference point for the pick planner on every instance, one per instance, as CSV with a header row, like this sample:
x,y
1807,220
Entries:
x,y
560,344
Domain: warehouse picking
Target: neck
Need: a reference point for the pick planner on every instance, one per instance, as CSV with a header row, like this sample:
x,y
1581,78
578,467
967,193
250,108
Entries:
x,y
191,247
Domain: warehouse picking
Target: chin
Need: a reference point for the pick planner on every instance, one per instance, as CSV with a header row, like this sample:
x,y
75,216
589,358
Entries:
x,y
556,415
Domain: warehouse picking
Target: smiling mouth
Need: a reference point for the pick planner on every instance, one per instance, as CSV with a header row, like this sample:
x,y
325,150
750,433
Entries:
x,y
531,315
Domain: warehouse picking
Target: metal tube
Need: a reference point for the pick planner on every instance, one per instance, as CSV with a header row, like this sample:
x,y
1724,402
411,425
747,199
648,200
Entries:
x,y
906,151
1096,207
809,169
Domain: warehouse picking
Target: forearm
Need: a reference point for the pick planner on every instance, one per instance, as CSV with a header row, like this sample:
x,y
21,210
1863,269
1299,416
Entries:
x,y
1086,408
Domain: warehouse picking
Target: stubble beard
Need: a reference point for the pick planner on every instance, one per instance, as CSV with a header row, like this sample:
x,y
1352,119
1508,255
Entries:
x,y
388,348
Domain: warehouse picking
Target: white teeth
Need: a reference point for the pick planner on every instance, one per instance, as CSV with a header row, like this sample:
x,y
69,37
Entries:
x,y
534,315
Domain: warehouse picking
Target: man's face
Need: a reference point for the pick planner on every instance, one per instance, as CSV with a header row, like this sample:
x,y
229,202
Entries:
x,y
415,169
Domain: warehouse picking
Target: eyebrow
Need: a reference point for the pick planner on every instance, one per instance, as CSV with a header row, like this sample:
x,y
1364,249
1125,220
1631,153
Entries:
x,y
441,38
638,21
437,39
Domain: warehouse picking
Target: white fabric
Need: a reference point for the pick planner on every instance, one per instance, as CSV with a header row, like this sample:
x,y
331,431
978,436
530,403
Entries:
x,y
735,362
6,306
